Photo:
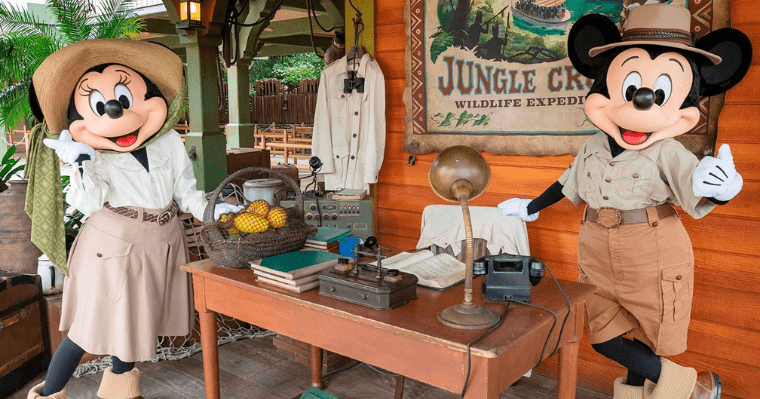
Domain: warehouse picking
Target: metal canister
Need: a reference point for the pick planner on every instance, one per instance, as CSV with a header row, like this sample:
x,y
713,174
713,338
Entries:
x,y
269,190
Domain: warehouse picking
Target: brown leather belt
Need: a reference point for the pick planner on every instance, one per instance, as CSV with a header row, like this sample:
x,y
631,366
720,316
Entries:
x,y
611,217
162,218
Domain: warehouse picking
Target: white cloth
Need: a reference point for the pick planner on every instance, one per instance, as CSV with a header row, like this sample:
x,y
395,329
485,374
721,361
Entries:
x,y
349,128
443,225
122,181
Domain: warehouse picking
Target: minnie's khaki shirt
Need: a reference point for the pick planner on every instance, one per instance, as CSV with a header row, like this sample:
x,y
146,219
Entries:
x,y
656,175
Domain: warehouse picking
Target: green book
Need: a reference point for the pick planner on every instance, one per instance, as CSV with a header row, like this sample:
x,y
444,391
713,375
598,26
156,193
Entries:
x,y
314,393
296,264
328,234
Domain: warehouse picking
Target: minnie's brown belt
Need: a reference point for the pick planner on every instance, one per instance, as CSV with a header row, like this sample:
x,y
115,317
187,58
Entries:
x,y
162,218
611,217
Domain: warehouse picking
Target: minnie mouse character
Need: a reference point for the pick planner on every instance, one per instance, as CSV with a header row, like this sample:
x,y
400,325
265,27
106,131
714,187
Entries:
x,y
114,102
632,245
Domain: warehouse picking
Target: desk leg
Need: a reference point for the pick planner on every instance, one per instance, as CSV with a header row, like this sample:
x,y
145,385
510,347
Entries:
x,y
567,380
210,354
316,366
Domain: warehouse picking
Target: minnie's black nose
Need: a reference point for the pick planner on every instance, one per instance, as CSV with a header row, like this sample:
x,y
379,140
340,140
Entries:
x,y
643,98
114,109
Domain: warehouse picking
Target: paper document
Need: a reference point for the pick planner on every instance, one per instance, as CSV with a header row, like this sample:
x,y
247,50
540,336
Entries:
x,y
435,271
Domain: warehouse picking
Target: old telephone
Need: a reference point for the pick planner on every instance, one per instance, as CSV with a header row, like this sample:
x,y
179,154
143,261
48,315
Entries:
x,y
509,277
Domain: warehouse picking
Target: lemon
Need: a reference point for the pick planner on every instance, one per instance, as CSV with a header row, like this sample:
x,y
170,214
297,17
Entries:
x,y
226,217
277,217
251,223
258,207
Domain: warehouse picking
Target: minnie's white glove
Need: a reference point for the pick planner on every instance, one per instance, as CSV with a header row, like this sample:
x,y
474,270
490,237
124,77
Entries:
x,y
716,177
67,149
518,207
223,207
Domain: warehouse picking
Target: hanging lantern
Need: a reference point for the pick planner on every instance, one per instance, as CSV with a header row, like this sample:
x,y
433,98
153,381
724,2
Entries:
x,y
190,15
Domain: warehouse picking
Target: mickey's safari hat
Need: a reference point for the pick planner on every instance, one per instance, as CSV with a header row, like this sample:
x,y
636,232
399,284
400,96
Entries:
x,y
55,79
658,24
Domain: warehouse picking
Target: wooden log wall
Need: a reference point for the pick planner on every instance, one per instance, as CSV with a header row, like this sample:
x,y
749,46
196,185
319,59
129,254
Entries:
x,y
272,103
724,335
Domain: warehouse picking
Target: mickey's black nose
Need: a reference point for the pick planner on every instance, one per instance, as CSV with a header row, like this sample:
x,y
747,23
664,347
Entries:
x,y
114,109
643,98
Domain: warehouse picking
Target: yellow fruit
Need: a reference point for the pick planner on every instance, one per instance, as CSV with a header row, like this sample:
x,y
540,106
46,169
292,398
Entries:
x,y
250,223
233,233
226,217
258,207
277,217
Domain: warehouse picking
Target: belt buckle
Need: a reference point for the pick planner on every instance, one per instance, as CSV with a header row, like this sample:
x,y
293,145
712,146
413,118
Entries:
x,y
609,217
168,213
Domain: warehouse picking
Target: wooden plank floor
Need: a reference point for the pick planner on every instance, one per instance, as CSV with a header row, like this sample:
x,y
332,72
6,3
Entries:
x,y
252,368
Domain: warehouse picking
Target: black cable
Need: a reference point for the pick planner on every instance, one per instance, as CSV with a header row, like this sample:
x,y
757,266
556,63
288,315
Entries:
x,y
569,309
310,3
271,13
554,324
311,32
475,340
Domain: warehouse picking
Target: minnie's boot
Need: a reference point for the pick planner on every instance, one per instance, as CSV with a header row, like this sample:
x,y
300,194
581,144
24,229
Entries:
x,y
623,391
676,382
120,386
36,393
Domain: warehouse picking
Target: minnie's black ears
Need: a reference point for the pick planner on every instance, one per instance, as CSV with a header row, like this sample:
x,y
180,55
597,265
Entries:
x,y
34,104
590,31
735,50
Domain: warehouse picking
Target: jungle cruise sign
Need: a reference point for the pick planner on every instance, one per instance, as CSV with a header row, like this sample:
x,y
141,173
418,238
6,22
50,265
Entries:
x,y
494,74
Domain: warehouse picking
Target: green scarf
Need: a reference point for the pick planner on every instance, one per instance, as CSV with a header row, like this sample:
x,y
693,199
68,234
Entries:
x,y
44,195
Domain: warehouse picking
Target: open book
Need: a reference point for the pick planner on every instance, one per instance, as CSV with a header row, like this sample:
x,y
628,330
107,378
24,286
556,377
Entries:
x,y
433,271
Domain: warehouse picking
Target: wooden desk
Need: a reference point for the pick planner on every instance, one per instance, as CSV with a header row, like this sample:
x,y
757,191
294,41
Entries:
x,y
407,340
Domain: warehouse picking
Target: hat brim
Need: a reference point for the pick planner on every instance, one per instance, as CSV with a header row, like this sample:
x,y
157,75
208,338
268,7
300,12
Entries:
x,y
57,76
715,59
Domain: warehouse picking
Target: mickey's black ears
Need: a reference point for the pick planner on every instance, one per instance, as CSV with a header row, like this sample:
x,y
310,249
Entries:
x,y
34,104
735,50
590,31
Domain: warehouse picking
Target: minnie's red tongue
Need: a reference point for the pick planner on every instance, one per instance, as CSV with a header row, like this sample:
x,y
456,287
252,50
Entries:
x,y
634,137
126,141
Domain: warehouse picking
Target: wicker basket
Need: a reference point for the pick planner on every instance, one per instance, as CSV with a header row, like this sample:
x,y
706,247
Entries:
x,y
236,252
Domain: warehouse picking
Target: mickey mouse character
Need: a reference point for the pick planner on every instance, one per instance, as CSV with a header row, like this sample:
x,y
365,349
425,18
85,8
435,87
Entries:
x,y
632,245
114,102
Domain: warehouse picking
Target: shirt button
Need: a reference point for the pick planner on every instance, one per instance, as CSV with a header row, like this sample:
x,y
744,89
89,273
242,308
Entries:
x,y
356,112
605,198
99,255
588,174
354,135
608,180
342,96
352,157
612,163
678,277
635,175
337,157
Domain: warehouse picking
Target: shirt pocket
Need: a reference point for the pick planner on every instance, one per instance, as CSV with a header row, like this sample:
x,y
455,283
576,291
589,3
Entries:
x,y
103,260
592,175
677,285
339,102
635,182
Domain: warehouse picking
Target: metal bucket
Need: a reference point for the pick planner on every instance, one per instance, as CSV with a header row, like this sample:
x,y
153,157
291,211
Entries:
x,y
17,253
269,190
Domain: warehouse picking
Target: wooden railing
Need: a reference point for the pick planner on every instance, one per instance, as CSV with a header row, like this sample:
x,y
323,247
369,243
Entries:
x,y
290,143
274,103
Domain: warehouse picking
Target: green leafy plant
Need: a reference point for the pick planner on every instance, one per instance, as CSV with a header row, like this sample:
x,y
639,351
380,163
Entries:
x,y
27,38
8,167
291,69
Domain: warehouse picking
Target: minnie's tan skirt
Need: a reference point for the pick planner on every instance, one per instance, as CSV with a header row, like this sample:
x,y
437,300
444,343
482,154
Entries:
x,y
125,288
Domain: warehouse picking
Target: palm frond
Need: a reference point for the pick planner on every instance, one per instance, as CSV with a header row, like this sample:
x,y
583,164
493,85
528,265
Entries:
x,y
17,19
14,104
71,17
117,19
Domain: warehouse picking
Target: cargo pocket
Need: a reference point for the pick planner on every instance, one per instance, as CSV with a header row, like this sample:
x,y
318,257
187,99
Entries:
x,y
103,260
676,293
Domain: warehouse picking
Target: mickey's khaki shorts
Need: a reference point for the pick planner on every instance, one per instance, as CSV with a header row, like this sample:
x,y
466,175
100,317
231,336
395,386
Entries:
x,y
645,280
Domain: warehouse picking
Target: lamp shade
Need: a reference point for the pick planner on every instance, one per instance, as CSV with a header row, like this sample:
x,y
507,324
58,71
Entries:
x,y
189,15
459,170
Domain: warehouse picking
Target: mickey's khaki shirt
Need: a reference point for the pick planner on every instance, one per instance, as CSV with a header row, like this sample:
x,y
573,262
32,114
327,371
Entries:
x,y
656,175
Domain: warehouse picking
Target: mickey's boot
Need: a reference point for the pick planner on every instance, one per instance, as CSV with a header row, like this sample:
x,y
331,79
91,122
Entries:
x,y
707,386
623,391
120,386
36,393
676,382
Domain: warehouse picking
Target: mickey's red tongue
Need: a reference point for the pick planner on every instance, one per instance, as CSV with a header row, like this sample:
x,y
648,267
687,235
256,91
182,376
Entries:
x,y
634,137
126,141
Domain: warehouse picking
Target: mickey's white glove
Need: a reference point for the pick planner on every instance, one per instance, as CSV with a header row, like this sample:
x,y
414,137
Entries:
x,y
518,207
223,207
716,177
67,149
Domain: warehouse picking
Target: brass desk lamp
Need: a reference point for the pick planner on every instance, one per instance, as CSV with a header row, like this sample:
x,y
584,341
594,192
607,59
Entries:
x,y
459,174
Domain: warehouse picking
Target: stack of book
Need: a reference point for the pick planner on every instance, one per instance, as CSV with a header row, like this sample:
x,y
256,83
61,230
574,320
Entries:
x,y
294,271
327,238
